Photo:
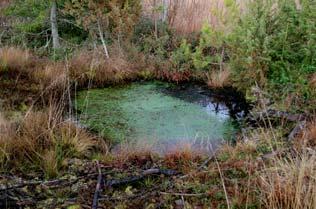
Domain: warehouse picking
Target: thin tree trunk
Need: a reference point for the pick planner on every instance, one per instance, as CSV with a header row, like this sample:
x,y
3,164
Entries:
x,y
165,10
298,4
155,18
103,41
54,27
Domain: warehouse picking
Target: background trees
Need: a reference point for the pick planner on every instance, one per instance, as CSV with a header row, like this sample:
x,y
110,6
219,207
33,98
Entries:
x,y
113,19
41,23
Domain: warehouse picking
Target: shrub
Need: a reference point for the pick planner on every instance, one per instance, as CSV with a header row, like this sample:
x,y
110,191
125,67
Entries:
x,y
181,57
118,17
273,47
201,58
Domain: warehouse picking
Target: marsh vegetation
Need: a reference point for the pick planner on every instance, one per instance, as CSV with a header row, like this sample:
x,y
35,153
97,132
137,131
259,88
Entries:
x,y
86,86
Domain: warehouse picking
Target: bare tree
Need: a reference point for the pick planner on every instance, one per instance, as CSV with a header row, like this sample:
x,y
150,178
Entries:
x,y
165,5
102,39
298,4
54,27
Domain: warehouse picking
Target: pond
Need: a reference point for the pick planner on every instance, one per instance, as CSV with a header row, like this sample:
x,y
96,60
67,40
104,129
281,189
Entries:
x,y
160,113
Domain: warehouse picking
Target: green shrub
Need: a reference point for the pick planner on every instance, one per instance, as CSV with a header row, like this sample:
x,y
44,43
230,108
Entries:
x,y
181,57
274,47
202,60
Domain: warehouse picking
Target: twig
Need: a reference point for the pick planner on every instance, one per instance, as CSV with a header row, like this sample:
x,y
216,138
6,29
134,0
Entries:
x,y
53,183
299,127
281,114
223,183
97,189
133,179
183,194
183,202
139,195
205,163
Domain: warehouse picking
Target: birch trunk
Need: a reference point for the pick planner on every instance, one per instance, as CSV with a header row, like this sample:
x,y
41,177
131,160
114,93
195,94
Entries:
x,y
165,10
298,4
54,27
106,52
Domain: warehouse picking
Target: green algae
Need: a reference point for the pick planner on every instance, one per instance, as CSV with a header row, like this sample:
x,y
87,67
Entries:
x,y
146,112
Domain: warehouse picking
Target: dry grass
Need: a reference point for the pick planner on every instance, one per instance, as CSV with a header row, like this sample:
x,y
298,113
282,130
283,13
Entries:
x,y
286,180
4,3
133,153
89,66
187,16
242,150
290,183
12,58
42,140
182,157
313,81
53,76
307,137
218,79
6,131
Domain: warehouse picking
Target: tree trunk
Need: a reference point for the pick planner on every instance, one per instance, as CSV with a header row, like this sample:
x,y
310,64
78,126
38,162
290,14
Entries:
x,y
298,4
54,27
106,52
155,18
165,10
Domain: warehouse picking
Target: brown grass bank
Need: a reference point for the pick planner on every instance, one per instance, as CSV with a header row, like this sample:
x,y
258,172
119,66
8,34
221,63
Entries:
x,y
261,171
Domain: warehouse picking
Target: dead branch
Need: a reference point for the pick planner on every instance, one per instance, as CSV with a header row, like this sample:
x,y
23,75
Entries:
x,y
275,114
141,195
133,179
51,184
296,130
184,194
205,163
97,189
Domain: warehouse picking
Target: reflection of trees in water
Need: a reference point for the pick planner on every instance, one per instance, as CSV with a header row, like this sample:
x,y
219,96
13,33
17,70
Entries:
x,y
225,101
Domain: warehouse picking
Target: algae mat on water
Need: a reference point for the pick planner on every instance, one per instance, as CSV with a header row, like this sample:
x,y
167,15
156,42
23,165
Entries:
x,y
153,112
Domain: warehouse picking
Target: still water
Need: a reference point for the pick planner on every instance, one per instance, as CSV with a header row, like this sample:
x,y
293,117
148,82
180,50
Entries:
x,y
158,113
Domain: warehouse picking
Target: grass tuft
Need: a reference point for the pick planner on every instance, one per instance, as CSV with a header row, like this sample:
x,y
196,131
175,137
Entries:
x,y
290,183
42,141
308,137
218,79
